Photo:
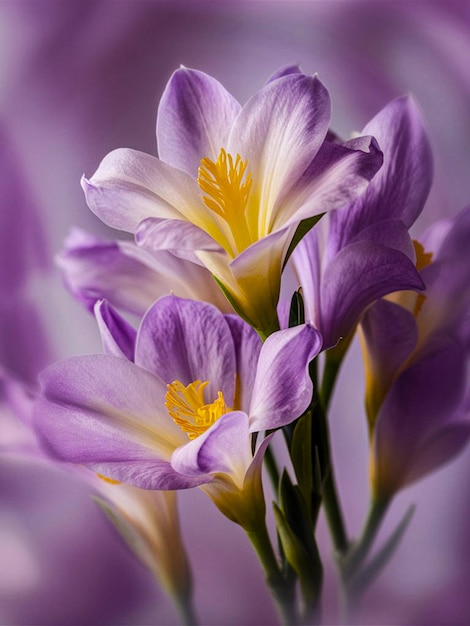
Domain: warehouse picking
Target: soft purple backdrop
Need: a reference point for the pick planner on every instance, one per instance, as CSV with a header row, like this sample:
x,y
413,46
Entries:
x,y
78,79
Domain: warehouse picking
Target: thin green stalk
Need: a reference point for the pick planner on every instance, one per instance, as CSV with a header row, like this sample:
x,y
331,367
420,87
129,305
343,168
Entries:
x,y
272,468
186,610
377,511
282,593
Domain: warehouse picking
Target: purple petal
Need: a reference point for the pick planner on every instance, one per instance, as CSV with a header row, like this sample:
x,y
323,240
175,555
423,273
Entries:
x,y
130,186
401,187
337,175
147,474
390,233
101,409
283,388
195,116
439,449
356,277
286,70
224,448
420,402
117,335
390,334
247,348
187,341
279,131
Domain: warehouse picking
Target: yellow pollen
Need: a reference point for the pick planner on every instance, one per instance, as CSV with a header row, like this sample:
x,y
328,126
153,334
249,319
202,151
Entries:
x,y
187,409
227,186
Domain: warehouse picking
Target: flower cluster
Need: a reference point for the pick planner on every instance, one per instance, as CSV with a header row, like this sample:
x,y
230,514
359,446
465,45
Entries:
x,y
204,364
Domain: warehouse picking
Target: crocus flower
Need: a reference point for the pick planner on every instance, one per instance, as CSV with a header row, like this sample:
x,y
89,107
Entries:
x,y
416,350
366,252
130,277
232,184
182,413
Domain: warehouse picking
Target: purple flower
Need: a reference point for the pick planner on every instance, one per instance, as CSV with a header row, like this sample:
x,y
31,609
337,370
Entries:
x,y
182,413
130,277
233,183
367,252
416,350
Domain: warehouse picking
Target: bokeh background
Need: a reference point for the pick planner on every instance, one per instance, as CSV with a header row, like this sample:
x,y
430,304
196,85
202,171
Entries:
x,y
81,77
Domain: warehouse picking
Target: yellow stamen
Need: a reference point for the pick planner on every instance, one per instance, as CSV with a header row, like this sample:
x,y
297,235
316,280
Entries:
x,y
227,186
187,409
111,481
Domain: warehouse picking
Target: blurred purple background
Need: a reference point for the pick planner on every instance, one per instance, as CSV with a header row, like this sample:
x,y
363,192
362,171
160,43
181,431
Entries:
x,y
79,78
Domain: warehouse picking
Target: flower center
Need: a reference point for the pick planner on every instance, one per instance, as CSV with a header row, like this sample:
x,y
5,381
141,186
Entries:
x,y
188,410
227,186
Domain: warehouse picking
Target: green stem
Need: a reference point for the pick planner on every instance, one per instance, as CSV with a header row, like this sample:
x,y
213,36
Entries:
x,y
376,513
282,593
186,611
333,514
272,468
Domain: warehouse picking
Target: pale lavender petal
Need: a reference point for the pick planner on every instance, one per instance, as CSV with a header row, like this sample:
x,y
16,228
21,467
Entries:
x,y
401,187
247,348
187,341
279,131
101,409
338,175
439,449
117,335
147,474
356,277
224,448
119,272
130,186
195,116
283,388
307,264
173,235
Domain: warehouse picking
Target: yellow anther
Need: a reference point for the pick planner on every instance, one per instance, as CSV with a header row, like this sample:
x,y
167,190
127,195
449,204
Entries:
x,y
111,481
188,410
422,258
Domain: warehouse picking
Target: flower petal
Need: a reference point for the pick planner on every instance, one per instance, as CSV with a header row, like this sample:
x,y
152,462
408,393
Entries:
x,y
283,388
130,186
338,175
223,449
247,348
95,269
187,341
421,401
101,409
357,276
286,70
390,335
194,119
279,131
173,235
117,335
401,187
439,449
